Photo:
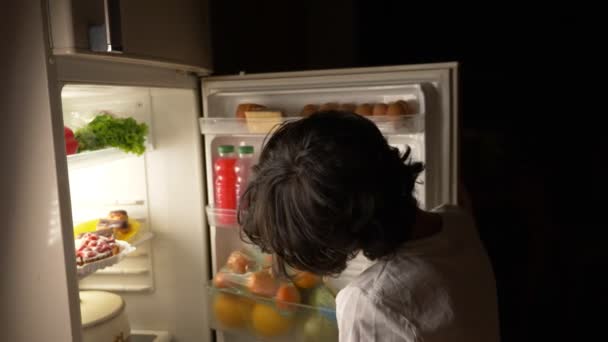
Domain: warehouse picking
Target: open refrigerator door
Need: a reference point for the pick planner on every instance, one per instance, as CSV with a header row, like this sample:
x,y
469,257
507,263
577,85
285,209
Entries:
x,y
136,178
413,106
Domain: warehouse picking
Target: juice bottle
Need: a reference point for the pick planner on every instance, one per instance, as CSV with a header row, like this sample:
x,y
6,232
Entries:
x,y
242,168
225,184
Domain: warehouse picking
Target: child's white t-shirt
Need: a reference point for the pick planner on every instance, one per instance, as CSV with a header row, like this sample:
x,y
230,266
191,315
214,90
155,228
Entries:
x,y
436,289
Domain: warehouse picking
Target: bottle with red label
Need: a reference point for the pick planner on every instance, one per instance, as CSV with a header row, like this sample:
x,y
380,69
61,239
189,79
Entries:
x,y
225,184
242,168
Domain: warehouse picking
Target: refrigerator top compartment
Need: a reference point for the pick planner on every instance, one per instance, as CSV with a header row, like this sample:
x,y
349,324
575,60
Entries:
x,y
223,103
222,106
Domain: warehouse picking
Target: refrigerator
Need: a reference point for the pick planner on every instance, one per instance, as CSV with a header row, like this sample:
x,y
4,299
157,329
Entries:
x,y
165,282
169,189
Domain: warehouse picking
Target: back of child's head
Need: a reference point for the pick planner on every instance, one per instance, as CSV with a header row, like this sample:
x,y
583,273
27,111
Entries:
x,y
326,187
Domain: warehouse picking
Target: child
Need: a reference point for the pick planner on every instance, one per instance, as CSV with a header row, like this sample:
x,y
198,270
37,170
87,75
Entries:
x,y
328,187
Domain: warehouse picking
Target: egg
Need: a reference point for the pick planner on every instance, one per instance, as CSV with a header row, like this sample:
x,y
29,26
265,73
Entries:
x,y
406,107
395,109
348,107
379,109
364,109
329,106
309,109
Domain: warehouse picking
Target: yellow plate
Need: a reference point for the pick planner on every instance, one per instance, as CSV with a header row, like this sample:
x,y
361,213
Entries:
x,y
91,226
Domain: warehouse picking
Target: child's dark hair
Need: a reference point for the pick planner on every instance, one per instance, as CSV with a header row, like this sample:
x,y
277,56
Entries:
x,y
326,187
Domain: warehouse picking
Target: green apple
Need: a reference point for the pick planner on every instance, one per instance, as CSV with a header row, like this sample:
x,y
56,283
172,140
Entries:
x,y
319,329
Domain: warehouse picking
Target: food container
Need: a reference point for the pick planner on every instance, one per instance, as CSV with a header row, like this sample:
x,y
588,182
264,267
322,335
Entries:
x,y
103,317
263,319
263,121
249,299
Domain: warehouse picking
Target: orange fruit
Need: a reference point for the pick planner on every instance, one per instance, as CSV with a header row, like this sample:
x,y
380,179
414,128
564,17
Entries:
x,y
306,280
221,280
267,260
262,283
268,322
287,293
232,311
238,262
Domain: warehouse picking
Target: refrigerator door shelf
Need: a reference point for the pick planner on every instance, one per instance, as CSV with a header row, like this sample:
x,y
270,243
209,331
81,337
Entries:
x,y
150,336
265,319
222,218
388,125
88,269
293,95
90,158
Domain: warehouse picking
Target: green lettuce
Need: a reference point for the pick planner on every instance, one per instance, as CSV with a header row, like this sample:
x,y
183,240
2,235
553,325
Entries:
x,y
107,131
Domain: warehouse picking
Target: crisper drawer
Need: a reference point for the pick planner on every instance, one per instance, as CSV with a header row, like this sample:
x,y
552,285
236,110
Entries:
x,y
261,319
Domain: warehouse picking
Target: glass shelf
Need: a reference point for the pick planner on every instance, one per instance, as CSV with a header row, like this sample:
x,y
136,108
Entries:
x,y
224,218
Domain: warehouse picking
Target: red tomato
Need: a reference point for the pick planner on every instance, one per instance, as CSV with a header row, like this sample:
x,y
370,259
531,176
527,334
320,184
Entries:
x,y
71,144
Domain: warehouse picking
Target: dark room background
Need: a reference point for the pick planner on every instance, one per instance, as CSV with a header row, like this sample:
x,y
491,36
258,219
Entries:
x,y
518,96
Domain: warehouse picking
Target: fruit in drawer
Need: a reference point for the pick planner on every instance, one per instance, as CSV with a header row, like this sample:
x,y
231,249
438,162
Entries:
x,y
232,311
306,280
247,107
322,297
266,260
222,280
287,293
262,283
239,262
268,322
318,328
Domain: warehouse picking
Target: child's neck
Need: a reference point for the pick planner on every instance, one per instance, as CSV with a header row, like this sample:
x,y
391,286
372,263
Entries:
x,y
426,225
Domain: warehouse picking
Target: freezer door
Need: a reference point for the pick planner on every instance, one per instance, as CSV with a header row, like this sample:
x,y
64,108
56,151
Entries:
x,y
431,89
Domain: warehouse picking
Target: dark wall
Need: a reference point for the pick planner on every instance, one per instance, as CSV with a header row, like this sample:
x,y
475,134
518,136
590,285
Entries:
x,y
519,141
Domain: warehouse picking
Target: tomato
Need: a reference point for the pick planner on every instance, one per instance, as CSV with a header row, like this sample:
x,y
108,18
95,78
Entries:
x,y
71,144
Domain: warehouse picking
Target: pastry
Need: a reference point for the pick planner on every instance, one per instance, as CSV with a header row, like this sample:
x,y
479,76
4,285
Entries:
x,y
117,221
91,247
118,215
